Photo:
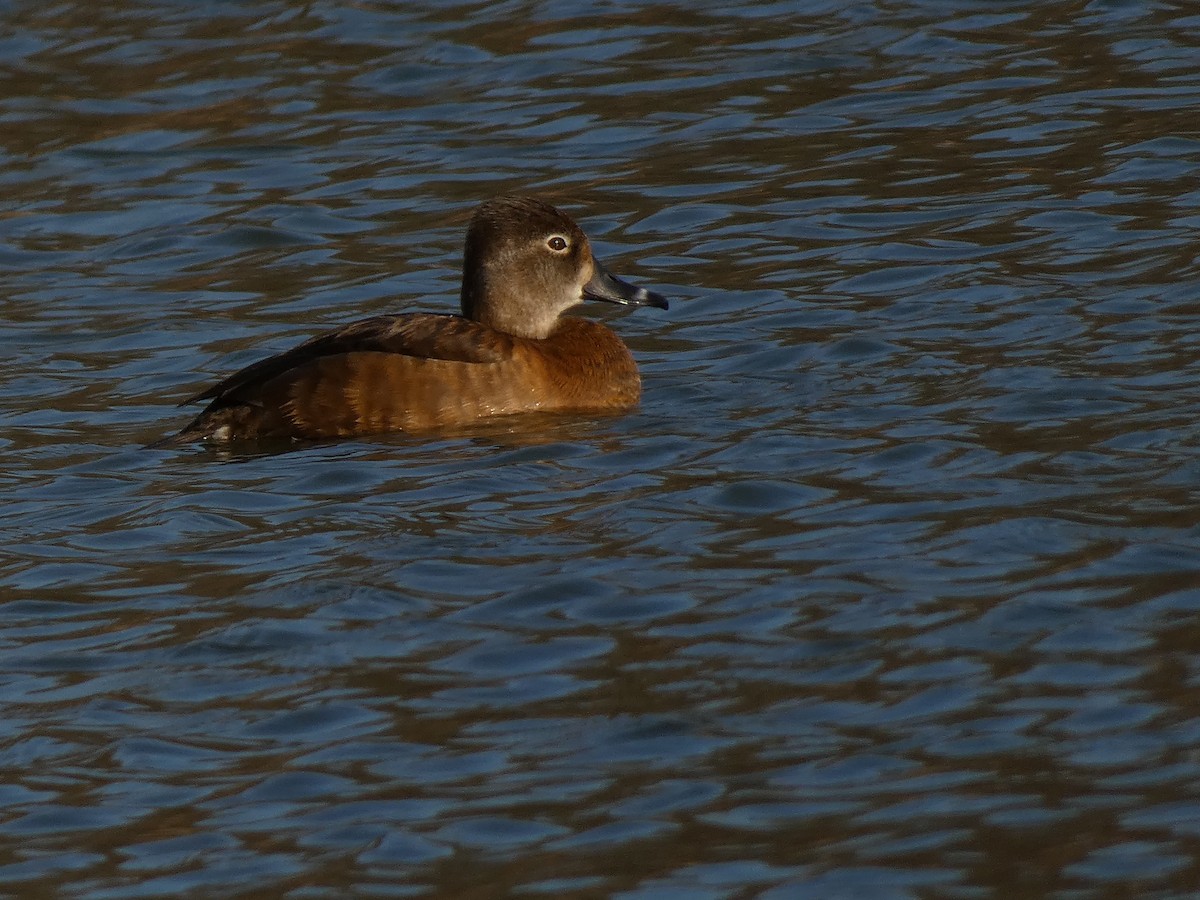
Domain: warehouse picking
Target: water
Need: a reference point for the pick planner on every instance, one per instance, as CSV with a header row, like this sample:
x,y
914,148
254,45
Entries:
x,y
888,590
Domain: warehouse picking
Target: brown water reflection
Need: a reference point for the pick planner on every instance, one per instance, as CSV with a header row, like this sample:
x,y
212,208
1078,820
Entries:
x,y
887,590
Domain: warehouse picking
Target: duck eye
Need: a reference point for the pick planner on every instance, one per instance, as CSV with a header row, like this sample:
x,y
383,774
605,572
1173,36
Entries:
x,y
557,243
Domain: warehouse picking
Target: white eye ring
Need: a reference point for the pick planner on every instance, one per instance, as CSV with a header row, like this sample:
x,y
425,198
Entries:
x,y
558,244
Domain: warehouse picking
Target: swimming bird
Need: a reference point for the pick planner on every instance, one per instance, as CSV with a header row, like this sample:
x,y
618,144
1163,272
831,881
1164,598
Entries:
x,y
511,350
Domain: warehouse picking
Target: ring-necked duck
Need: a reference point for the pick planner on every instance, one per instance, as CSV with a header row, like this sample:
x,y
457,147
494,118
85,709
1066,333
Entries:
x,y
511,351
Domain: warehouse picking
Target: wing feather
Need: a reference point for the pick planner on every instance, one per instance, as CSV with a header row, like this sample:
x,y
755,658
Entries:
x,y
419,335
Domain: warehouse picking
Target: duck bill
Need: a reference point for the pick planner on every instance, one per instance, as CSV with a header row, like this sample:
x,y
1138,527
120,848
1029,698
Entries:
x,y
603,285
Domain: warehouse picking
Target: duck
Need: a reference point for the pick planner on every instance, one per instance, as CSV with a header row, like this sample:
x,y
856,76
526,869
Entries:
x,y
511,350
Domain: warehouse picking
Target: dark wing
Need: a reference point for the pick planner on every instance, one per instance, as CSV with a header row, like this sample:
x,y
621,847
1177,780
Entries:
x,y
422,335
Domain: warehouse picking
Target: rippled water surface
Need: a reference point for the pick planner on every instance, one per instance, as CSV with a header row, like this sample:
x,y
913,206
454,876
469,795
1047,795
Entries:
x,y
889,589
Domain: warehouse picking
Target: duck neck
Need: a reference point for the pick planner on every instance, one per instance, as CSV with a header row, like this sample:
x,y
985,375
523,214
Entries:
x,y
503,310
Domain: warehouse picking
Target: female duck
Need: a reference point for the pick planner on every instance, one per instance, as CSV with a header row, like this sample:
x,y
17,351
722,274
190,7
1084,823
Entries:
x,y
511,351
